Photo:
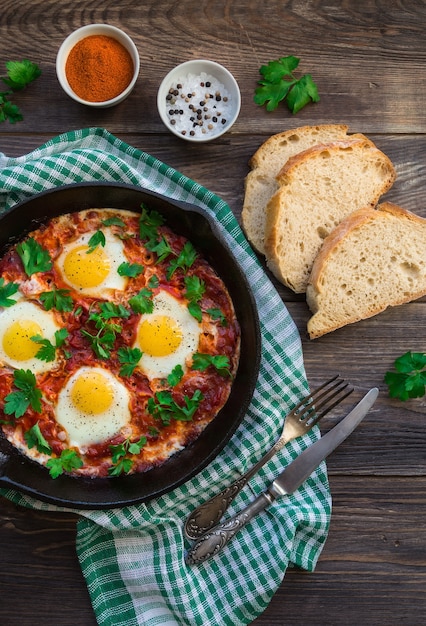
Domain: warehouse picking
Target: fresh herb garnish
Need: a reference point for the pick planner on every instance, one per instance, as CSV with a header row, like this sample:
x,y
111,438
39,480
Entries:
x,y
175,375
103,341
184,260
130,270
217,315
28,394
409,380
97,239
148,224
113,221
19,74
195,289
7,290
163,406
47,351
67,462
58,299
129,358
142,301
279,83
34,438
34,257
160,247
220,362
119,454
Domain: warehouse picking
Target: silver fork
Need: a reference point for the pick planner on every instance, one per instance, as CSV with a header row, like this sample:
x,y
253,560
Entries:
x,y
298,421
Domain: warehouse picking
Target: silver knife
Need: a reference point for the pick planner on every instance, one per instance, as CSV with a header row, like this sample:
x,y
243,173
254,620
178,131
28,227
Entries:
x,y
287,482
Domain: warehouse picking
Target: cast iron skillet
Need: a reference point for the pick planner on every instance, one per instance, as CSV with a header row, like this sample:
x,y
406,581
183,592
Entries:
x,y
19,472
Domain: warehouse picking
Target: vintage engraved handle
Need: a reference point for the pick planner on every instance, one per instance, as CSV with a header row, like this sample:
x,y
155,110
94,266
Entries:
x,y
209,513
213,541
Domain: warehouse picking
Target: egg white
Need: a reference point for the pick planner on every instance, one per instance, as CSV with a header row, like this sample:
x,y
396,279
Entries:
x,y
80,416
90,279
157,366
15,342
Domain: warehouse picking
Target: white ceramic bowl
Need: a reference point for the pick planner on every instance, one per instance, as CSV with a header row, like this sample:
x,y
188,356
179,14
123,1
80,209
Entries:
x,y
199,129
86,31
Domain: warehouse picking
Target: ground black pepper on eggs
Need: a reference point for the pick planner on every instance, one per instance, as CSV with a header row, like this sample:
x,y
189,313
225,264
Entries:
x,y
198,105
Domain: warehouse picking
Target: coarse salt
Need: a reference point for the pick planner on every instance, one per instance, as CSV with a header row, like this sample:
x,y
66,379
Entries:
x,y
198,105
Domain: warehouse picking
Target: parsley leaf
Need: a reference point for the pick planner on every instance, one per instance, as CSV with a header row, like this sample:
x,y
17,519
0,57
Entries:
x,y
34,257
195,289
148,224
68,461
48,350
129,358
163,406
184,260
175,375
34,438
7,290
28,394
217,315
97,239
161,248
409,380
280,83
110,310
19,74
142,301
130,269
123,464
113,221
201,362
58,299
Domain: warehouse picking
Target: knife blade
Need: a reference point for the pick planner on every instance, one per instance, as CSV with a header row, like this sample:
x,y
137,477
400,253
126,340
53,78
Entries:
x,y
286,483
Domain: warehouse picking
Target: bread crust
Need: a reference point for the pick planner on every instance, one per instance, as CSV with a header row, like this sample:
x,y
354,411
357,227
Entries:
x,y
260,183
318,325
289,249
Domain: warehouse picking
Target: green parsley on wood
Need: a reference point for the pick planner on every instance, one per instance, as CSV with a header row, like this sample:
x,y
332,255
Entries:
x,y
19,75
409,378
280,83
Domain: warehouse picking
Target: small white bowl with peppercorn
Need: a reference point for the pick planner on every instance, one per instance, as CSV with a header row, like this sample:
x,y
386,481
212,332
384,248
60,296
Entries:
x,y
199,100
98,65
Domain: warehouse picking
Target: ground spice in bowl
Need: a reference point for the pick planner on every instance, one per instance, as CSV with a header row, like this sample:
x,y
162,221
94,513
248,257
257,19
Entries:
x,y
99,68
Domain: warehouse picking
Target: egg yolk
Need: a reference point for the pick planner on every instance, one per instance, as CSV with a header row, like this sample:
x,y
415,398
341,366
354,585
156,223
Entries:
x,y
86,269
17,342
92,393
159,335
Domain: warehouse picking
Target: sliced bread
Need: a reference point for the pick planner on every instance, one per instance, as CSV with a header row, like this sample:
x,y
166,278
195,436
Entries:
x,y
374,259
265,164
318,188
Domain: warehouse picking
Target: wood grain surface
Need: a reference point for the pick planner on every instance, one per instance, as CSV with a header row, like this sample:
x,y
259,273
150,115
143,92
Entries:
x,y
368,58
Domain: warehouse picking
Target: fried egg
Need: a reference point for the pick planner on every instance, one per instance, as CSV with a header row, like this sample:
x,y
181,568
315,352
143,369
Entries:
x,y
93,273
93,406
167,337
18,324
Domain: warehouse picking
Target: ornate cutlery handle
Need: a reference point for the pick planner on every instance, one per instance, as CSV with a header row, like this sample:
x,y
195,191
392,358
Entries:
x,y
212,542
209,513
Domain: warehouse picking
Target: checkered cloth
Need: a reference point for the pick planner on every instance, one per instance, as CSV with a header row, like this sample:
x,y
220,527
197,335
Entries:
x,y
133,558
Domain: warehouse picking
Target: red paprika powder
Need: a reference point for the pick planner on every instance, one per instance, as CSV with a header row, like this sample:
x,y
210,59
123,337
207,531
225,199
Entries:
x,y
99,68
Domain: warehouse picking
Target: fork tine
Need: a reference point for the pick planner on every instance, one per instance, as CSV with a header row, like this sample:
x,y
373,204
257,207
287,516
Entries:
x,y
321,399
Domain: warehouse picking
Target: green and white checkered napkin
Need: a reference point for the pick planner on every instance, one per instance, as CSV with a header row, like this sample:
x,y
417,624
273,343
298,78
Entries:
x,y
133,558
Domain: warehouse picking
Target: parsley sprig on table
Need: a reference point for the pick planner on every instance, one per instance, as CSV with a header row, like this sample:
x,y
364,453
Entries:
x,y
19,74
409,379
280,83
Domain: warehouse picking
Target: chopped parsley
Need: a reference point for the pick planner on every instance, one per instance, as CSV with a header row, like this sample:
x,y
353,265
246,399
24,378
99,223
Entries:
x,y
6,291
97,239
129,358
58,299
142,301
163,406
34,438
220,362
119,454
47,351
131,270
67,462
409,379
27,394
34,257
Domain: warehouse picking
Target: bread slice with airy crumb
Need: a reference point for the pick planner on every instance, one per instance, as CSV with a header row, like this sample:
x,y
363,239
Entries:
x,y
266,163
374,259
318,189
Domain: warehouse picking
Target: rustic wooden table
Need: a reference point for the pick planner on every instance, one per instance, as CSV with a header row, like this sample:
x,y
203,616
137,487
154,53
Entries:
x,y
368,58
